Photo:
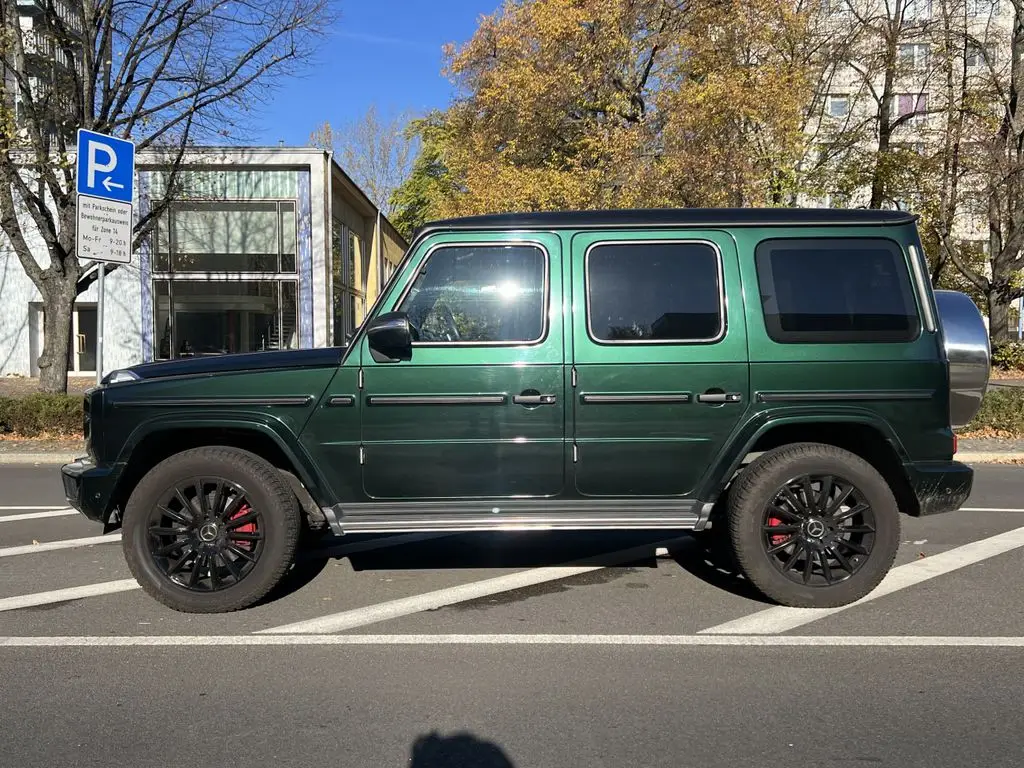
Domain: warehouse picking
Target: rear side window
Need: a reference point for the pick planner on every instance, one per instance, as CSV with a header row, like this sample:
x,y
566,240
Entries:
x,y
836,291
654,292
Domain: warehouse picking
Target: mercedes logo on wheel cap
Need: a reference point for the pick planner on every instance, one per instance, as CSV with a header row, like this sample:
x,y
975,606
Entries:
x,y
815,529
208,532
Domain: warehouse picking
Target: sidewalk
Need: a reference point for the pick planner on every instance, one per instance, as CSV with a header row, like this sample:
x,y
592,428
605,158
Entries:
x,y
971,451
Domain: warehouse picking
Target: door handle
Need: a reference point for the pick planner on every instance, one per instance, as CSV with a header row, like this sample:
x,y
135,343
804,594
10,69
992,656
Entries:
x,y
534,399
719,397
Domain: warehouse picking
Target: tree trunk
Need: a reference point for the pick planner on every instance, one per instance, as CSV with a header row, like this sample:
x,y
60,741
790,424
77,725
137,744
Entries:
x,y
998,315
58,305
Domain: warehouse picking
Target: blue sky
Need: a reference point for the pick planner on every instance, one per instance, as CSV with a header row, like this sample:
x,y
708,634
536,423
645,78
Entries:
x,y
386,52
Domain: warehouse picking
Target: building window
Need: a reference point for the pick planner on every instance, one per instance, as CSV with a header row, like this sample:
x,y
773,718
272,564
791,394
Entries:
x,y
224,278
838,106
348,300
983,8
836,8
216,317
480,294
975,57
914,56
913,105
227,237
654,292
836,291
917,10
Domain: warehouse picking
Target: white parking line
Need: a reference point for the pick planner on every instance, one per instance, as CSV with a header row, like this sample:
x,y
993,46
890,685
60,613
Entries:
x,y
782,619
125,585
50,546
772,641
63,595
38,515
427,601
990,509
26,509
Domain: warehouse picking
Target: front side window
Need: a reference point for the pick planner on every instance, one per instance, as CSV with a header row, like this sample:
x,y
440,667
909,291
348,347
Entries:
x,y
483,294
836,291
648,291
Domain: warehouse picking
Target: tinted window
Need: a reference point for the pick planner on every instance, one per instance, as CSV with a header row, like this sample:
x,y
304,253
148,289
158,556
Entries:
x,y
483,294
836,291
651,291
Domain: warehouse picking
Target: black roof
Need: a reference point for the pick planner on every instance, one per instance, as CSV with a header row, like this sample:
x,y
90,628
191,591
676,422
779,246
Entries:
x,y
676,217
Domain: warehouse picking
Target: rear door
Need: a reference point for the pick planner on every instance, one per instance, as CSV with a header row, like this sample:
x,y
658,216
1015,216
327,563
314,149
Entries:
x,y
660,359
479,410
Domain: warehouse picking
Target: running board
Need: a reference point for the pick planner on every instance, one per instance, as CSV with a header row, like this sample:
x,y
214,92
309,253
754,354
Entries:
x,y
517,515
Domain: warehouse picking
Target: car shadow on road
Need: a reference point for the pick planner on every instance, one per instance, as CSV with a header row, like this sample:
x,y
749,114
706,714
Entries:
x,y
698,555
460,750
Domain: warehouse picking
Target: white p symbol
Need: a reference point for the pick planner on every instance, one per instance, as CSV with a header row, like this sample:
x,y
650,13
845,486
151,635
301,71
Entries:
x,y
95,147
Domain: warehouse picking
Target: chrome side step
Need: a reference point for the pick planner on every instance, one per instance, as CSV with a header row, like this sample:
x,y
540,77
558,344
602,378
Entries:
x,y
517,515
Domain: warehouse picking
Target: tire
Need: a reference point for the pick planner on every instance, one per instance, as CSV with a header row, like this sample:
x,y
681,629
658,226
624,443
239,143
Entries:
x,y
242,531
839,574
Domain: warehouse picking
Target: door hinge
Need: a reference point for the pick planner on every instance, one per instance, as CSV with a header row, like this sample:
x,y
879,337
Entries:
x,y
360,378
575,453
362,455
574,376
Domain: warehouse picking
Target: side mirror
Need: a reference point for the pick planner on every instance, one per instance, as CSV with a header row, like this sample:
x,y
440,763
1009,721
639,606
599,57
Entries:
x,y
390,337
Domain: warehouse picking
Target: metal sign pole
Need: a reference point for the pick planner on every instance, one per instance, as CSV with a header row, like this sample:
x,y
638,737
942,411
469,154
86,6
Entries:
x,y
99,326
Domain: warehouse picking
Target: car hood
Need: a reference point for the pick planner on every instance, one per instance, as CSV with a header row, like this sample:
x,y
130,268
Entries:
x,y
249,361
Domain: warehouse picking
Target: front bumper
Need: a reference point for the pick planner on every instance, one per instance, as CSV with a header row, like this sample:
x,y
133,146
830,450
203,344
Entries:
x,y
940,486
89,488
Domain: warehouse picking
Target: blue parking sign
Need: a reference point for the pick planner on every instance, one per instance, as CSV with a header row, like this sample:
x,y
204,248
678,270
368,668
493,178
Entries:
x,y
106,166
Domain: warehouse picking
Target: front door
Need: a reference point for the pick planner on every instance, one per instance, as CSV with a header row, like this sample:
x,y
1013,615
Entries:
x,y
659,349
478,411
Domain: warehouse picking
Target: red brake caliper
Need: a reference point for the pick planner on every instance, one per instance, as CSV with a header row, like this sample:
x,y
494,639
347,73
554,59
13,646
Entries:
x,y
777,538
245,509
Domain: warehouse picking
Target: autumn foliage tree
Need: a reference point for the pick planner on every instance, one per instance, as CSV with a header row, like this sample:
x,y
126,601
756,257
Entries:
x,y
616,103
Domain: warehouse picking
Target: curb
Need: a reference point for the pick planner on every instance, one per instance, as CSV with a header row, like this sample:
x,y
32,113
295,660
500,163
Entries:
x,y
988,457
29,459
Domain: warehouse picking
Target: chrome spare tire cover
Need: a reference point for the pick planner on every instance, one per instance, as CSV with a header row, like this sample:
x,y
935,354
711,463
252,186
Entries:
x,y
969,354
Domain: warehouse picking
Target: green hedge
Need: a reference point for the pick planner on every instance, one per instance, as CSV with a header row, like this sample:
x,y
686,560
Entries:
x,y
39,414
1008,355
1001,414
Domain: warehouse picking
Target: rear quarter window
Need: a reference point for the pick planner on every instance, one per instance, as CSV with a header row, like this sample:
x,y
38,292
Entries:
x,y
843,290
654,292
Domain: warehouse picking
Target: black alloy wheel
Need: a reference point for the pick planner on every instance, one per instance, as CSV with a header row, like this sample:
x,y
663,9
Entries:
x,y
818,530
205,534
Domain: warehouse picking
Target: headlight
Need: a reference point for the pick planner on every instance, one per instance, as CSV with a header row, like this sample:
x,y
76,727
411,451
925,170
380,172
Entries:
x,y
119,377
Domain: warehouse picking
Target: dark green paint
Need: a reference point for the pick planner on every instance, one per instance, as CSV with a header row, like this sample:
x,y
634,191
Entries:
x,y
349,451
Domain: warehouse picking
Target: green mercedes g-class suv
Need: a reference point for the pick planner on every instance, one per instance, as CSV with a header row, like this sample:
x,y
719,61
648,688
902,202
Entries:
x,y
785,378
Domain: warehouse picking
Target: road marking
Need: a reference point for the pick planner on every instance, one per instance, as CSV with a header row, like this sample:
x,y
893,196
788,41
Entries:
x,y
38,515
50,546
63,595
772,641
782,619
126,585
427,601
25,509
990,509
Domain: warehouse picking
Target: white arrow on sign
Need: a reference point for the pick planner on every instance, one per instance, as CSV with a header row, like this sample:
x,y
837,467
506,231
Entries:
x,y
111,184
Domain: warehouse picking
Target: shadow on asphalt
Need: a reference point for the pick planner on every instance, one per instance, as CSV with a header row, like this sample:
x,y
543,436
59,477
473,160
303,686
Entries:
x,y
698,555
461,750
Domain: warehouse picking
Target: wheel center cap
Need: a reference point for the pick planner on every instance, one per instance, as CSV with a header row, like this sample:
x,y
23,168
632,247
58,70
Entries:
x,y
209,532
815,529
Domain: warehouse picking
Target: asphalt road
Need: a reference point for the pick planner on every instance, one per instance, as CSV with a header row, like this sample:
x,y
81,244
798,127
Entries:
x,y
474,651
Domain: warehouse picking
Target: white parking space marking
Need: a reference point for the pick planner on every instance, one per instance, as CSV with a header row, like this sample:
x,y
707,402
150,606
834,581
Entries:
x,y
50,546
782,619
125,585
38,515
26,509
761,641
71,593
990,509
427,601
